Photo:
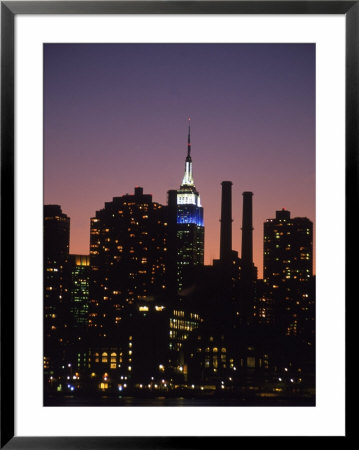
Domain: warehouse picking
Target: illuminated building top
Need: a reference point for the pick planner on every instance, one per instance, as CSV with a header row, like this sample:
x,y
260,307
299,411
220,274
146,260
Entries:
x,y
188,177
187,194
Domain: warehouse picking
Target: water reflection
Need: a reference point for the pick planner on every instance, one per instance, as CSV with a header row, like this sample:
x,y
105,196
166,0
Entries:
x,y
106,400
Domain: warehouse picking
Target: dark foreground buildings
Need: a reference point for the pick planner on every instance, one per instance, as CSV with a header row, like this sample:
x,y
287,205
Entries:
x,y
143,316
288,274
128,256
56,294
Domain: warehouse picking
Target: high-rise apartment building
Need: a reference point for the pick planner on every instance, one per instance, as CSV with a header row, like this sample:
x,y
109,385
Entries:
x,y
288,248
288,272
128,252
190,226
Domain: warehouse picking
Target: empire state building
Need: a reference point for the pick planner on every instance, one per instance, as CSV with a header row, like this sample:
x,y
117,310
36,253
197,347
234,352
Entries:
x,y
190,228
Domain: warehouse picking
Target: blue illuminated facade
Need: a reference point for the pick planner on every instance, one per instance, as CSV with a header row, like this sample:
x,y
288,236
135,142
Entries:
x,y
190,214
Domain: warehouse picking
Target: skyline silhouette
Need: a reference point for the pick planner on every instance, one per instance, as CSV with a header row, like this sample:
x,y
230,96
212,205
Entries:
x,y
115,116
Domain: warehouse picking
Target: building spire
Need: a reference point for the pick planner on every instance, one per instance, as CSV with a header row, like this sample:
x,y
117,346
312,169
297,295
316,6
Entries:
x,y
188,177
189,138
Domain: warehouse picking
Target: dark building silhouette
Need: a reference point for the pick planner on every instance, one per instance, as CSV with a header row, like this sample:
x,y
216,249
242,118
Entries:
x,y
238,275
206,307
143,315
128,310
75,314
218,295
137,353
263,313
288,248
190,226
128,254
172,245
288,273
56,294
183,321
79,268
56,232
228,266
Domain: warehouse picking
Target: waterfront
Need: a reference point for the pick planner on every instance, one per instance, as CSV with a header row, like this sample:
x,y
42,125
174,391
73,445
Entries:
x,y
139,316
158,401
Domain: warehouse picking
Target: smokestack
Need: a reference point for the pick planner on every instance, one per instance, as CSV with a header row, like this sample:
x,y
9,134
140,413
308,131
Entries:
x,y
226,221
247,229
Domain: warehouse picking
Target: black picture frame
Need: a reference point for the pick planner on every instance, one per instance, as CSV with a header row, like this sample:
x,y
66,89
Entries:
x,y
9,10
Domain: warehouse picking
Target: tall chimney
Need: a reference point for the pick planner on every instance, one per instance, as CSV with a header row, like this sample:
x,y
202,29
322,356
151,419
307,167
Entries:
x,y
226,221
247,229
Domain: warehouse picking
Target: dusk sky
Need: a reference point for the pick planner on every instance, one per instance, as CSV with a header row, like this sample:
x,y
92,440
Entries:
x,y
115,117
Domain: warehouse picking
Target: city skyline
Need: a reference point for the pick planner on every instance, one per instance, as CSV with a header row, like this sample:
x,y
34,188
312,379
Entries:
x,y
95,151
129,321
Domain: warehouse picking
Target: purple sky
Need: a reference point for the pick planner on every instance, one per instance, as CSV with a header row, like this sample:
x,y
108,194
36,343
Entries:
x,y
115,117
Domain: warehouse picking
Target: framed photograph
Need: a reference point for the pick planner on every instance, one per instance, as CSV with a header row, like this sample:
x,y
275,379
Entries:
x,y
176,188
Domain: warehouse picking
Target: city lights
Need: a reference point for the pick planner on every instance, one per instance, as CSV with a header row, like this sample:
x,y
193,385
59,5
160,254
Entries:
x,y
143,316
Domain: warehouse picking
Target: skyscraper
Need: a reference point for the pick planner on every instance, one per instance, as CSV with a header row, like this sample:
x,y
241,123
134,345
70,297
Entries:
x,y
79,290
128,251
128,288
288,273
56,252
56,232
288,248
190,226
